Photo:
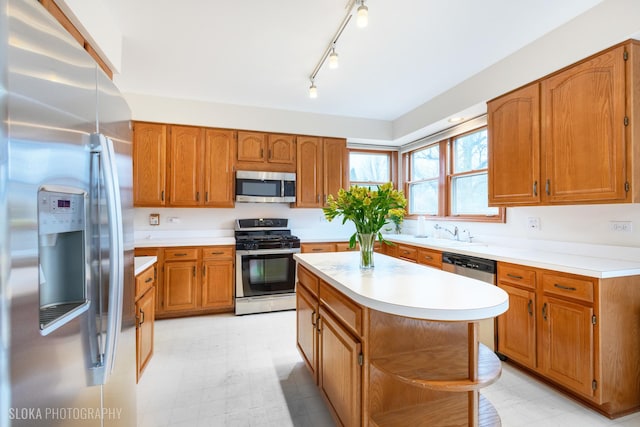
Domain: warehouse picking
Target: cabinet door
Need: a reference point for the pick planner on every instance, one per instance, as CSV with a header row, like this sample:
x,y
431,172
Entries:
x,y
251,146
185,166
180,285
149,164
335,167
309,172
219,149
517,326
583,111
340,373
282,150
217,284
567,349
145,314
514,147
306,332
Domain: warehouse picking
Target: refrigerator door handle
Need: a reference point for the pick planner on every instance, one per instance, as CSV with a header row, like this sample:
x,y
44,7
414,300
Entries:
x,y
116,256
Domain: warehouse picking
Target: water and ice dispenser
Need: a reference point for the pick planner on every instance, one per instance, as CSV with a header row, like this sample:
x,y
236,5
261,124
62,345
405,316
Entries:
x,y
63,262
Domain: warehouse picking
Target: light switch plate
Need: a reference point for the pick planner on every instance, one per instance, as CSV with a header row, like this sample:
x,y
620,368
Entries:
x,y
154,219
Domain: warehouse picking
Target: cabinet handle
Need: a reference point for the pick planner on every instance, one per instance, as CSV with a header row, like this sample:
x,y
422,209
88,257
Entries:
x,y
319,328
162,195
204,271
514,276
563,287
544,311
216,253
197,196
428,257
261,152
548,187
194,271
317,249
535,188
270,154
141,317
325,199
180,254
149,279
313,318
530,307
318,198
206,196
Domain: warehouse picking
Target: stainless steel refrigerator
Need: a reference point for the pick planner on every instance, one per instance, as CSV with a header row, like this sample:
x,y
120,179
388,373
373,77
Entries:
x,y
67,320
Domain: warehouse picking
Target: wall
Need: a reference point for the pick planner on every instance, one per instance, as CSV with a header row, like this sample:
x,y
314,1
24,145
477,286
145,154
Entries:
x,y
588,224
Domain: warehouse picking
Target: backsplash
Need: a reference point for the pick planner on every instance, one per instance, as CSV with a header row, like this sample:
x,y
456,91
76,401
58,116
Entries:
x,y
559,225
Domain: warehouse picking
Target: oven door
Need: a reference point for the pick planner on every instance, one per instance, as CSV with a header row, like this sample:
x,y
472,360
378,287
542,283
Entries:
x,y
265,272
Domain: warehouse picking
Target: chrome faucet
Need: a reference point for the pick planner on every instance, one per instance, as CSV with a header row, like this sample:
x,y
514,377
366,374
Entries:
x,y
454,233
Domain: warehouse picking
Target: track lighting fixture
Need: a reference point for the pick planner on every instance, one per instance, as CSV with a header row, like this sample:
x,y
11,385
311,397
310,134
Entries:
x,y
330,51
313,90
333,58
363,15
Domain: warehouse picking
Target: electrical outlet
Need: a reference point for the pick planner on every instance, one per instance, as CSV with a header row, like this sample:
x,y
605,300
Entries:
x,y
154,219
175,220
533,223
621,226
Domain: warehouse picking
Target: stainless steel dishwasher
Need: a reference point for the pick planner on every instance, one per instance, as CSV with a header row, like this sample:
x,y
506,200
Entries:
x,y
480,269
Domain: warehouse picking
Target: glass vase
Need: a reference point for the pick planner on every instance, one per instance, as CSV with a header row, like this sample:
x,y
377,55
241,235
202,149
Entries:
x,y
366,241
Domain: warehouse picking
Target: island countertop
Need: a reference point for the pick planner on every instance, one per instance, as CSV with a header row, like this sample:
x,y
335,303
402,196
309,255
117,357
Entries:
x,y
406,289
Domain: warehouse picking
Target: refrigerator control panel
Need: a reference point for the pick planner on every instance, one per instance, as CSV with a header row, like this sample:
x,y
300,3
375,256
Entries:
x,y
60,211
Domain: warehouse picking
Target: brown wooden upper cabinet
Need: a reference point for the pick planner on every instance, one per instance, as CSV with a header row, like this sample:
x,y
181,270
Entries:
x,y
266,152
570,137
183,166
323,165
149,164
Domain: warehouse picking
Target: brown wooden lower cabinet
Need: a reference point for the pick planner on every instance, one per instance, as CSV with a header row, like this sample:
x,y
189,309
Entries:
x,y
145,316
378,369
193,280
580,333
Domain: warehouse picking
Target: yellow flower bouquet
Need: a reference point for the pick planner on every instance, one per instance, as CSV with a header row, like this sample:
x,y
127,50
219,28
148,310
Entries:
x,y
369,210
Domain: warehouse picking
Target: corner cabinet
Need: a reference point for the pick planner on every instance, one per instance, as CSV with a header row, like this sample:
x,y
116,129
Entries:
x,y
571,137
578,332
193,280
323,165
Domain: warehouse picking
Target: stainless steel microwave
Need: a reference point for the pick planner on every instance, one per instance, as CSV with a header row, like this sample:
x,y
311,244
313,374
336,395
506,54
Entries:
x,y
265,187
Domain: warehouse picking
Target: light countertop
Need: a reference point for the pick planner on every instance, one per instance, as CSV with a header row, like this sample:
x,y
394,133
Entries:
x,y
141,263
586,265
407,289
183,241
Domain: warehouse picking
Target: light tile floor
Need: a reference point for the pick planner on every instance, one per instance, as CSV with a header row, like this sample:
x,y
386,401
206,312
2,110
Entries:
x,y
224,370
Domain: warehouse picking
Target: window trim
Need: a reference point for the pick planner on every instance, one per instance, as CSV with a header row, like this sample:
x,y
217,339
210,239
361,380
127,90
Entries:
x,y
445,188
393,164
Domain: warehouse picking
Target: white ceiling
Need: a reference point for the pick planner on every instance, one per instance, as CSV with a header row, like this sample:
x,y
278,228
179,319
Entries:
x,y
261,53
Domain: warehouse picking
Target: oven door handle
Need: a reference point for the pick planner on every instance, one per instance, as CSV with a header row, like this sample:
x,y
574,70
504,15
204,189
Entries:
x,y
269,251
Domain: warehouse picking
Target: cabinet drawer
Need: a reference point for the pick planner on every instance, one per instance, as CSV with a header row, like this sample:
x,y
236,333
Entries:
x,y
317,247
180,254
217,252
308,280
516,275
344,247
574,287
407,252
346,310
430,257
144,281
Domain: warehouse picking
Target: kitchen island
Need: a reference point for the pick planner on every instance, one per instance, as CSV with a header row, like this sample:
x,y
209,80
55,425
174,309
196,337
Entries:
x,y
397,344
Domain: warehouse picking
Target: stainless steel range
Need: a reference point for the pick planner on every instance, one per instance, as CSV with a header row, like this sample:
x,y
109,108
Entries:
x,y
265,269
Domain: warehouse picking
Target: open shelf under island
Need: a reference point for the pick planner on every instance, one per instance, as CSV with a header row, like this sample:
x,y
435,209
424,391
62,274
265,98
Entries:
x,y
396,345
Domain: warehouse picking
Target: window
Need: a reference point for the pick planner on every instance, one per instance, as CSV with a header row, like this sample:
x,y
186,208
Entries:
x,y
448,178
371,168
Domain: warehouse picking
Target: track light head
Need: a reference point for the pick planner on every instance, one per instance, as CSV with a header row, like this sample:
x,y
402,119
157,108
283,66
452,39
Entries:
x,y
313,90
333,59
363,15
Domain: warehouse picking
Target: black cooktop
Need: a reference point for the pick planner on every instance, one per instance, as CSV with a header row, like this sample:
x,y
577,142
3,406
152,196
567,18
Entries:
x,y
264,233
